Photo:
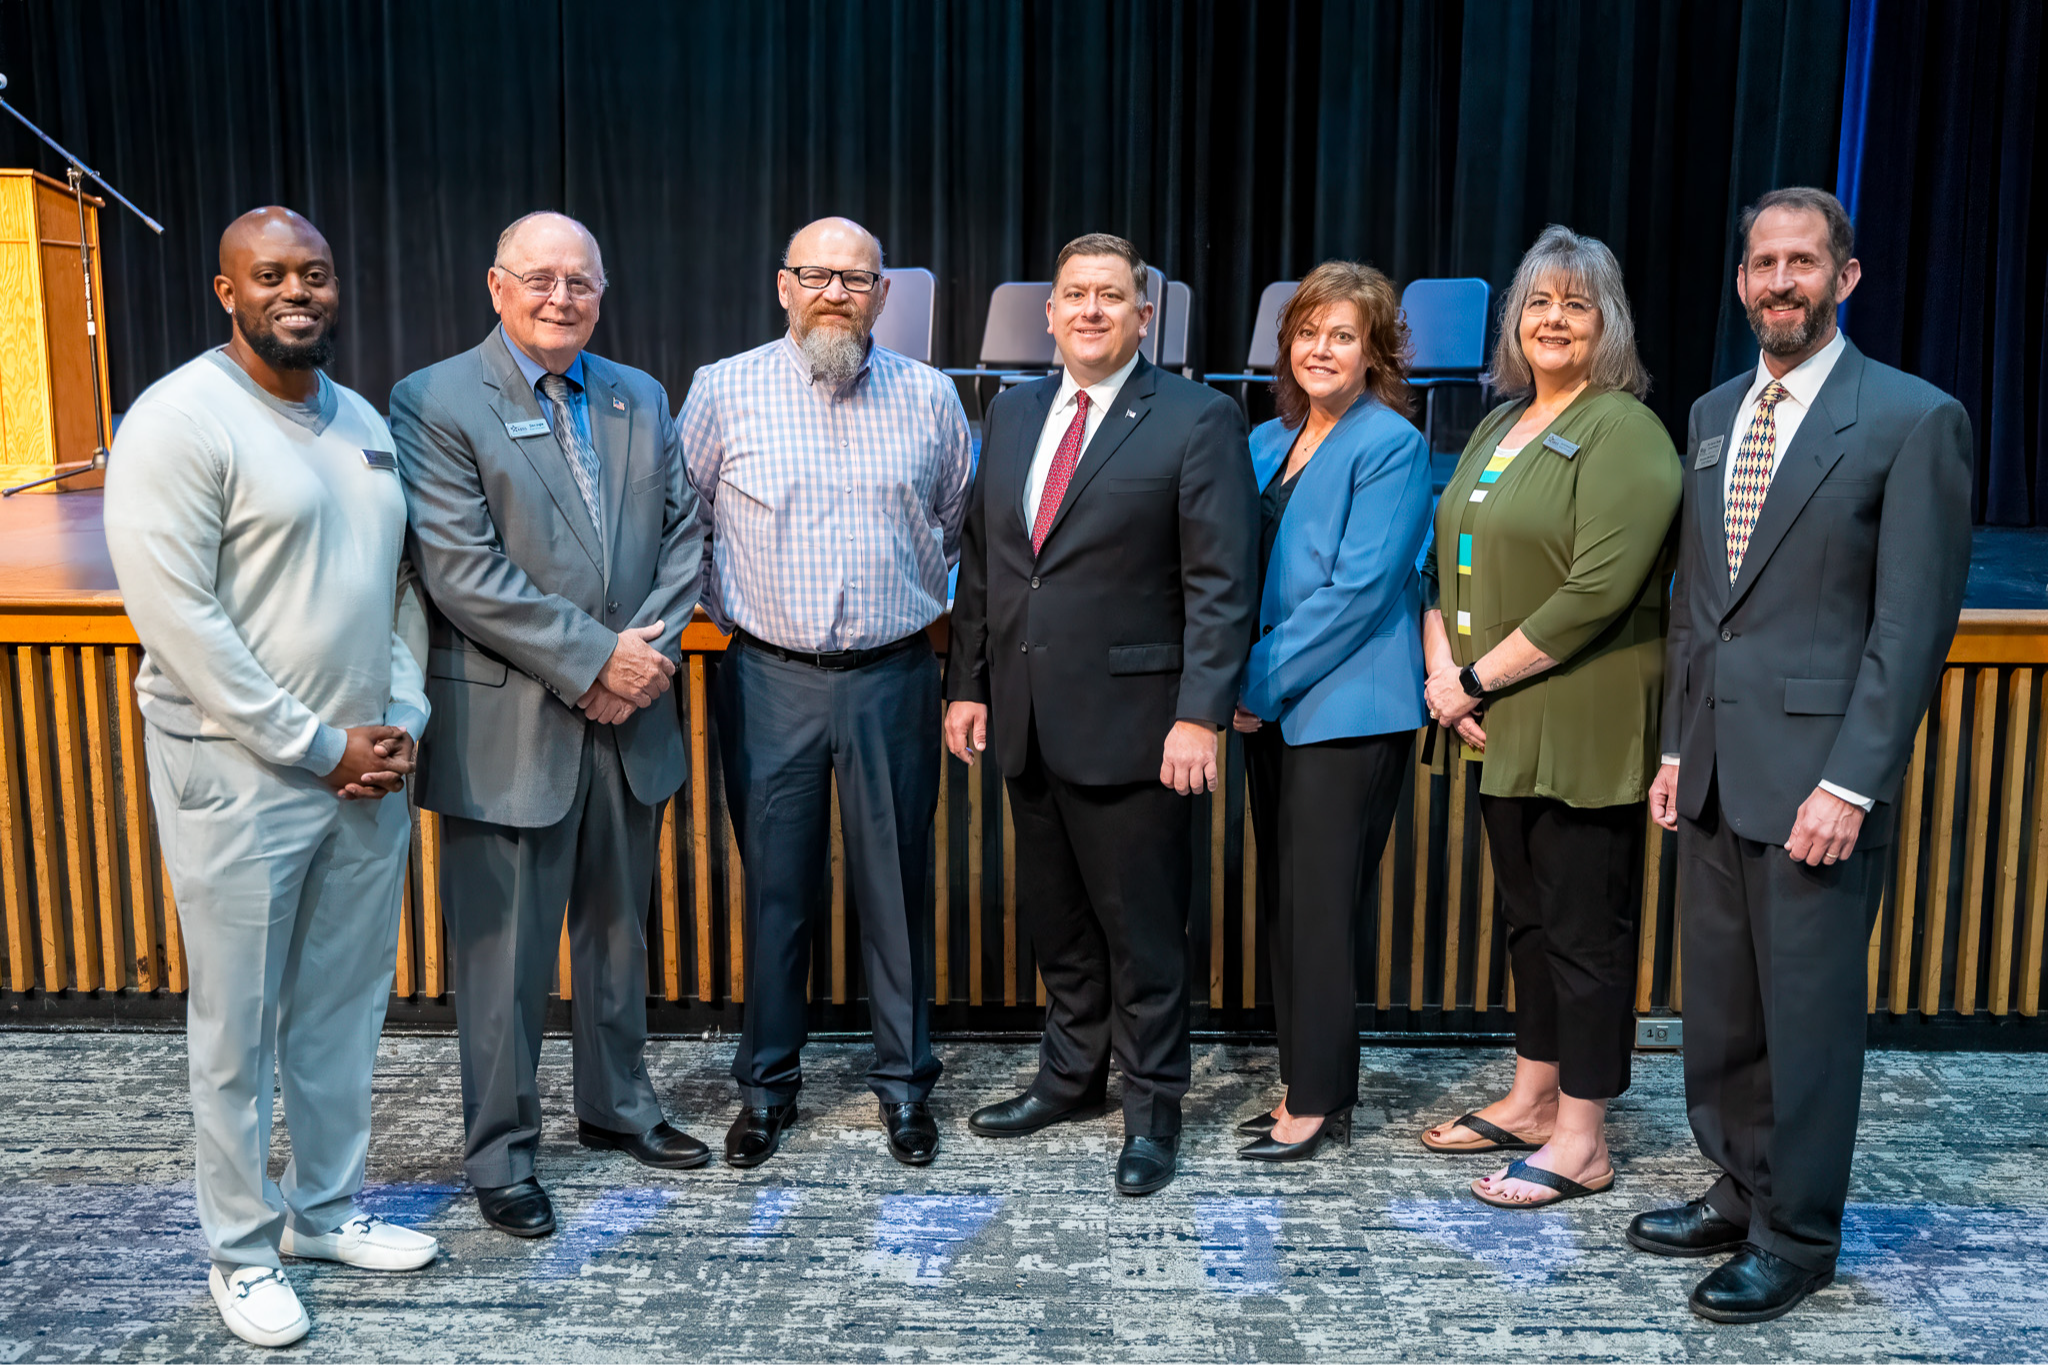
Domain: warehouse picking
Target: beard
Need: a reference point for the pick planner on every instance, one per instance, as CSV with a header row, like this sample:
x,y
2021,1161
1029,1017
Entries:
x,y
314,353
835,344
1790,338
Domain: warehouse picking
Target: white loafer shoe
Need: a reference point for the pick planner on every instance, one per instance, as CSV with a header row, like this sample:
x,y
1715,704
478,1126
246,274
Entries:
x,y
258,1305
366,1242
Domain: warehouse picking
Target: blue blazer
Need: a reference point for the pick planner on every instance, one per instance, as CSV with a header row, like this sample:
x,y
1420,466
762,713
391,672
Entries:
x,y
1339,652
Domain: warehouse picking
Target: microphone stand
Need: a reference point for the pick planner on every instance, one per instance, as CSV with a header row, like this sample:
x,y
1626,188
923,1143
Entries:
x,y
76,171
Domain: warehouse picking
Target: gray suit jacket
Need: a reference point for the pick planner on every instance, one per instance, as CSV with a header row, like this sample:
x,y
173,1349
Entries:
x,y
1819,660
521,613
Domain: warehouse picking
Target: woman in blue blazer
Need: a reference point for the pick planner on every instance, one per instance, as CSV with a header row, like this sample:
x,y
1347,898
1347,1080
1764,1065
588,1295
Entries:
x,y
1332,693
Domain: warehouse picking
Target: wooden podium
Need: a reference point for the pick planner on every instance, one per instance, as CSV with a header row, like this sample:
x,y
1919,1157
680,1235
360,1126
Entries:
x,y
46,388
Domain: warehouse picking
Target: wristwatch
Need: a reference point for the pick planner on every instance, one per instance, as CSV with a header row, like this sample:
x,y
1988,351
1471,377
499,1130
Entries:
x,y
1468,678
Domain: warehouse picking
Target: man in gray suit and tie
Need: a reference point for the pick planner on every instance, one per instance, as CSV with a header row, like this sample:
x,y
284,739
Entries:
x,y
1822,555
559,547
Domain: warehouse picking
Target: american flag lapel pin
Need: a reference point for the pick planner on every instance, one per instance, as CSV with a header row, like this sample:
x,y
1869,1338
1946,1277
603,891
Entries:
x,y
1130,412
619,403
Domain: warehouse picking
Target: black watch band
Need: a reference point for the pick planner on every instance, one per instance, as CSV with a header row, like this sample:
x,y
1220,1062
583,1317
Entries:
x,y
1468,678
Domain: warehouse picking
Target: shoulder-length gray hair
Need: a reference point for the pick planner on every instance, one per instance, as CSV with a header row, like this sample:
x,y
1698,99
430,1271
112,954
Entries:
x,y
1569,263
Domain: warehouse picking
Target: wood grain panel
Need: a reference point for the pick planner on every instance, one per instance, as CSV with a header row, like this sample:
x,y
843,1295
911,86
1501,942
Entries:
x,y
25,415
144,954
672,915
1418,923
1952,685
99,771
174,935
700,828
2019,712
36,751
432,978
1454,877
1906,898
735,913
14,852
81,885
1970,925
942,886
1482,944
2031,945
401,974
1383,949
1646,940
564,979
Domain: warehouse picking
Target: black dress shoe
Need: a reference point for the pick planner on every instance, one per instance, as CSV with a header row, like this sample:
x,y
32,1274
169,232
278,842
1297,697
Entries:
x,y
521,1209
913,1133
1755,1286
1146,1164
756,1133
661,1146
1027,1113
1695,1229
1336,1129
1258,1125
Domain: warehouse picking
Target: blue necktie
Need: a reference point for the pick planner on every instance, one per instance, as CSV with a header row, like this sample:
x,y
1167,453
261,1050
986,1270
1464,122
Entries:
x,y
581,457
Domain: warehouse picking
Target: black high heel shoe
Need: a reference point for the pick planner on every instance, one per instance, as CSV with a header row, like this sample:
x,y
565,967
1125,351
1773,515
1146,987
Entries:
x,y
1258,1125
1336,1129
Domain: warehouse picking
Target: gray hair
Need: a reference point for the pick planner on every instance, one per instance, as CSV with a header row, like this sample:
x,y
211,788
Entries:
x,y
1580,265
512,230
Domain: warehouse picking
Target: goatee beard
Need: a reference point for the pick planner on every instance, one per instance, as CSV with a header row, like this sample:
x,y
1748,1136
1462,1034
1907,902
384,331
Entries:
x,y
1793,337
315,354
835,354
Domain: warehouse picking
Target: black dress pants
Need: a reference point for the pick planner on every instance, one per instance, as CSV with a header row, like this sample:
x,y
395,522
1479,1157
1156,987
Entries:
x,y
1570,885
1321,814
1102,888
786,731
1776,974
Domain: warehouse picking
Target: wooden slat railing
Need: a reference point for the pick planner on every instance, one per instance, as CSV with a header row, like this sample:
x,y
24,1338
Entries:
x,y
89,920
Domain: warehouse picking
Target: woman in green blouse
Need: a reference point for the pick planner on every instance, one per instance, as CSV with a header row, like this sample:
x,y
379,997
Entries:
x,y
1546,599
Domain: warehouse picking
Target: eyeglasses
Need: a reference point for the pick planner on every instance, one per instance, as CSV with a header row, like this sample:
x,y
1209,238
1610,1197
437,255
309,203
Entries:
x,y
541,285
818,277
1578,310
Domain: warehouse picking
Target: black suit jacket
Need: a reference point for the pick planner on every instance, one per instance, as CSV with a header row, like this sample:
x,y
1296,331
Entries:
x,y
1138,612
1819,660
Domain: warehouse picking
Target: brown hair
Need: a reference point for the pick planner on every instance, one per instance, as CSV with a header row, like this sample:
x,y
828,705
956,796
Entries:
x,y
1841,232
1104,244
1379,315
1564,260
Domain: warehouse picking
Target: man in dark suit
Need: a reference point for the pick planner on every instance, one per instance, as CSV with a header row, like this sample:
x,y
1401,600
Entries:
x,y
1101,621
559,546
1823,551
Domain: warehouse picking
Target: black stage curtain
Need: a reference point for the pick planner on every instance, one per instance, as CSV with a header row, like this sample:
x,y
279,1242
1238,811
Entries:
x,y
1236,143
1952,224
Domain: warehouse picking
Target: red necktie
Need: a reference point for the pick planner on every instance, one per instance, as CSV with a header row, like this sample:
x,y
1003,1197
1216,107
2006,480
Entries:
x,y
1056,479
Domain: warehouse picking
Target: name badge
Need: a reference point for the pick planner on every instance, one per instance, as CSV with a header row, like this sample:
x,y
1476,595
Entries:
x,y
534,427
1559,444
1709,453
381,459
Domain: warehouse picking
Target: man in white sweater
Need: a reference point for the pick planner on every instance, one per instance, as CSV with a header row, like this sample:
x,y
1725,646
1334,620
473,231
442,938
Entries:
x,y
255,521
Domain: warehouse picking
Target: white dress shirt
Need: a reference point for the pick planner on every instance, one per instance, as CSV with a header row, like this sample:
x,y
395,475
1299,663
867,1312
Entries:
x,y
1100,397
1802,386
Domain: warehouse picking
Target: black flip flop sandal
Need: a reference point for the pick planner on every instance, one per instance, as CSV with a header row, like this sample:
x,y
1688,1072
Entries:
x,y
1536,1175
1497,1139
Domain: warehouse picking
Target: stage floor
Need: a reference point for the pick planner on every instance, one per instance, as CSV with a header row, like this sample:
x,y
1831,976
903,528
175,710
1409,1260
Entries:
x,y
1015,1251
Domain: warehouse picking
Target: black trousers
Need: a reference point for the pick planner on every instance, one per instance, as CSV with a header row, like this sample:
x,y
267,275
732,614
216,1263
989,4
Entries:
x,y
1102,888
786,730
1570,885
1321,814
1776,975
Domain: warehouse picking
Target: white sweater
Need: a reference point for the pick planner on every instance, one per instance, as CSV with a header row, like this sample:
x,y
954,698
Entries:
x,y
257,548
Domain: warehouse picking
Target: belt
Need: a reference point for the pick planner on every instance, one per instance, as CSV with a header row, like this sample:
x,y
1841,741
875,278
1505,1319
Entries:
x,y
831,660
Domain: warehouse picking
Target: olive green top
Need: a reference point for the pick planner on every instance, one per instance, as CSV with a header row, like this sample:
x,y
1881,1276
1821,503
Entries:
x,y
1572,541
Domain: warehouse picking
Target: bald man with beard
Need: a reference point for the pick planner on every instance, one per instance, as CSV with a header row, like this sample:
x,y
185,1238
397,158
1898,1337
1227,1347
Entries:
x,y
255,522
836,472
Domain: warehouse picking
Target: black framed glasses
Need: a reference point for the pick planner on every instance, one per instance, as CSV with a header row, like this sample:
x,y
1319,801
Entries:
x,y
818,277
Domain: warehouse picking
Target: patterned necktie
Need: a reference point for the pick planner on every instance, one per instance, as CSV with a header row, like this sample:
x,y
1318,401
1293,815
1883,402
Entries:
x,y
1751,478
1056,479
582,459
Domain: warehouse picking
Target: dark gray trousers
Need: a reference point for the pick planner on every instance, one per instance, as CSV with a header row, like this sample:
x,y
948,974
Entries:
x,y
786,730
1776,958
506,890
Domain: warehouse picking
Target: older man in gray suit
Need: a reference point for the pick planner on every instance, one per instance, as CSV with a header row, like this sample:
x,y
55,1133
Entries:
x,y
1822,556
559,546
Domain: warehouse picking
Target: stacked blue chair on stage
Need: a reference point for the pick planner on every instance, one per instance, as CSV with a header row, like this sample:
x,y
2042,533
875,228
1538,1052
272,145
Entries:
x,y
1263,354
1447,331
905,326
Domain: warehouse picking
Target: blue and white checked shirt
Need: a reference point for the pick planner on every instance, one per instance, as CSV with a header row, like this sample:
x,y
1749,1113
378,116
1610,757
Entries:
x,y
834,516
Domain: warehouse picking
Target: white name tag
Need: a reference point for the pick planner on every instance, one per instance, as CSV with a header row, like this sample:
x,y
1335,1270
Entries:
x,y
534,427
381,459
1709,453
1560,445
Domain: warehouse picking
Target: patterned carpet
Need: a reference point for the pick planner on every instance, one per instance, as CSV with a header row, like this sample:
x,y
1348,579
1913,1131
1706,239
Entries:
x,y
1016,1251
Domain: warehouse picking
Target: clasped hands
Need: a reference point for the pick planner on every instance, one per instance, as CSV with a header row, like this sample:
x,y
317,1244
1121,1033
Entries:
x,y
1187,761
633,677
1452,707
374,763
